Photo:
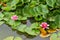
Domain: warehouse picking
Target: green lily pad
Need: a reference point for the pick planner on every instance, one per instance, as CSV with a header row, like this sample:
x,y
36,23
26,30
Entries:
x,y
13,38
17,38
9,38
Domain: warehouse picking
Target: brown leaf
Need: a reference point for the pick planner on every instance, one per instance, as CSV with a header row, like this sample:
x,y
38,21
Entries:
x,y
44,36
51,30
4,4
43,31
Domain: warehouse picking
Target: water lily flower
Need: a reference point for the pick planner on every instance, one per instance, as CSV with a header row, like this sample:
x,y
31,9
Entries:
x,y
14,17
44,25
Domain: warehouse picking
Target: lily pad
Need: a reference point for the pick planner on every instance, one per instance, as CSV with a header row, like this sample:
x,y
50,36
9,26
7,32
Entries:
x,y
13,38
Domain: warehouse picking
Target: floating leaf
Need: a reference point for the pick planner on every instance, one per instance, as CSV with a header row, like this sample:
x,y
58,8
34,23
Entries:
x,y
51,30
53,36
1,22
58,34
57,20
8,8
21,28
43,31
14,2
58,2
33,29
17,38
9,38
13,38
1,16
51,2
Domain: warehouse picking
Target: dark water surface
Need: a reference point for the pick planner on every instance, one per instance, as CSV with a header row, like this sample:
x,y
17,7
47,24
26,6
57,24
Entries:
x,y
6,31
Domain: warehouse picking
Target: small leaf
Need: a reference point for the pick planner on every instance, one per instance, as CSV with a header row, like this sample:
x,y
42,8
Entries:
x,y
17,38
13,38
9,38
53,36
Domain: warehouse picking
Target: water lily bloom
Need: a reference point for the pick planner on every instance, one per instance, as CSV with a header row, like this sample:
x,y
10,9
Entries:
x,y
14,17
44,25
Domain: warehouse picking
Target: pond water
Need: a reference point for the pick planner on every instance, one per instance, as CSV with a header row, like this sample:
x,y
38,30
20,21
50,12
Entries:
x,y
6,31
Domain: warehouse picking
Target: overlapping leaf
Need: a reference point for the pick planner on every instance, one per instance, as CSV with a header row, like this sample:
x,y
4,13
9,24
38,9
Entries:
x,y
51,2
33,29
58,21
40,10
35,11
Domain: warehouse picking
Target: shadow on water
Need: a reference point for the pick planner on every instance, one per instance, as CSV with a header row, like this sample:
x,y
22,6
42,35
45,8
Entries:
x,y
25,34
